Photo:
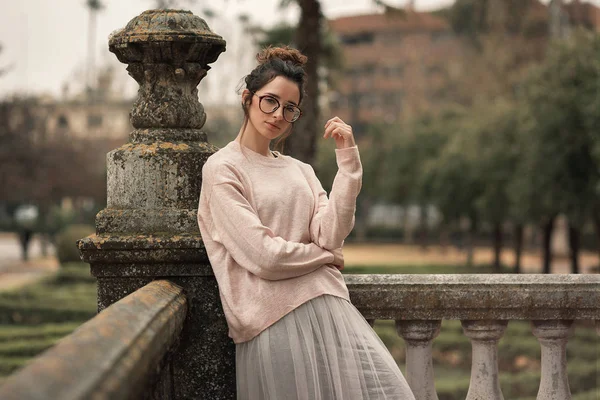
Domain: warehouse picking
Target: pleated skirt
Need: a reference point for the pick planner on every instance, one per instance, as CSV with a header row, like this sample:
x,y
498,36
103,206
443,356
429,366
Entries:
x,y
323,350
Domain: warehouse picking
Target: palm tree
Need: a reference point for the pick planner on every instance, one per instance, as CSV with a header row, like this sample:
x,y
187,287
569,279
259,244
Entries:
x,y
5,69
94,6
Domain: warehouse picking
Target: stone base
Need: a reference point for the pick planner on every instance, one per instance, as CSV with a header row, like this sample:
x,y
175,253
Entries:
x,y
203,365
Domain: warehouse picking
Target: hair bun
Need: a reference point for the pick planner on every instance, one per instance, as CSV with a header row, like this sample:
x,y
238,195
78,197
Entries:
x,y
285,53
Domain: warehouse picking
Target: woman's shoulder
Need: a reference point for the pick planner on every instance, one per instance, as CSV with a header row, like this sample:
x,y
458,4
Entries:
x,y
223,162
306,168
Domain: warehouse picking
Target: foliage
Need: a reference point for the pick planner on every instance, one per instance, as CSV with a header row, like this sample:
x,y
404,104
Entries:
x,y
561,99
66,247
40,167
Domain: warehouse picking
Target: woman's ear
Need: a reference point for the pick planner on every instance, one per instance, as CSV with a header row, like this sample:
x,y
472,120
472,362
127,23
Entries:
x,y
245,94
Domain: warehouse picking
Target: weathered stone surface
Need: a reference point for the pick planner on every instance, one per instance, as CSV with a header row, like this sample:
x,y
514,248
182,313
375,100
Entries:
x,y
153,188
165,253
464,297
204,364
115,355
419,336
553,337
168,52
149,229
484,336
151,135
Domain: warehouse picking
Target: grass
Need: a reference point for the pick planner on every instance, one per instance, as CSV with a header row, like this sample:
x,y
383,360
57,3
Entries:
x,y
37,316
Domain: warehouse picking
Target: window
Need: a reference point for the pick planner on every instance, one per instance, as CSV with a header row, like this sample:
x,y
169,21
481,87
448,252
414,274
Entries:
x,y
62,122
357,38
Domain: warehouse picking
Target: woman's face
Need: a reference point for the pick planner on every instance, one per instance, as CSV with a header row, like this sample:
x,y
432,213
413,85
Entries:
x,y
270,126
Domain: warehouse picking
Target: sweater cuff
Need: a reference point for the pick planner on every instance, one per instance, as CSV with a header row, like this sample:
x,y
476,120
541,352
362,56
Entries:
x,y
348,159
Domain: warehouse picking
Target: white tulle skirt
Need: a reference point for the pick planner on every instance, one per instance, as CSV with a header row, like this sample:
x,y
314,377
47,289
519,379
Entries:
x,y
323,350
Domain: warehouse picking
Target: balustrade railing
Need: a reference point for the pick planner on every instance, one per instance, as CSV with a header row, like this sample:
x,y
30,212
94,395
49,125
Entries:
x,y
484,304
118,354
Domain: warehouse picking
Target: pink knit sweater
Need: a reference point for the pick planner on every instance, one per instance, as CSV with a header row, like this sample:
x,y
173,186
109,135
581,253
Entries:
x,y
267,224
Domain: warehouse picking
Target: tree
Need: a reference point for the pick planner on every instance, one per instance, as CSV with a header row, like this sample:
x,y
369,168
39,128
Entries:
x,y
94,7
560,96
495,131
5,69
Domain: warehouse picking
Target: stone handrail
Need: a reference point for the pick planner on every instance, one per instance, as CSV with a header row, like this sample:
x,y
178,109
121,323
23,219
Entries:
x,y
484,304
115,355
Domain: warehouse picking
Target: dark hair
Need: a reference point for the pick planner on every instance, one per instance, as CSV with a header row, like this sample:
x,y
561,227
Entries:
x,y
274,62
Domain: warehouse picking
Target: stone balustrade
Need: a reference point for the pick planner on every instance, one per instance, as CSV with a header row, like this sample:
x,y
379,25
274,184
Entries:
x,y
118,354
484,304
121,352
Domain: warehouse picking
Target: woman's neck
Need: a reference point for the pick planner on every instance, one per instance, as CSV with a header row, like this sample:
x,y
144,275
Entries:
x,y
254,141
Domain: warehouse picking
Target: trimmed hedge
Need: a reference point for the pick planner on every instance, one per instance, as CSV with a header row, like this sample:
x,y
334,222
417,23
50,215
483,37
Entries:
x,y
66,242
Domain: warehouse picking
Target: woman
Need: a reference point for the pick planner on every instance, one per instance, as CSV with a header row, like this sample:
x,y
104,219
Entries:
x,y
274,241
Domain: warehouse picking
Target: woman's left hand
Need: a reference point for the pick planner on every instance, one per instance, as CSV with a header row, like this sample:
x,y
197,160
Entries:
x,y
341,132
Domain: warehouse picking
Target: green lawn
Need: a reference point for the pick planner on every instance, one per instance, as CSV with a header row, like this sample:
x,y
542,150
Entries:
x,y
34,318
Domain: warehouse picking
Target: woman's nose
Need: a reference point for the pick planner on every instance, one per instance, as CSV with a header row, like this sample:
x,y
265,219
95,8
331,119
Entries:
x,y
278,114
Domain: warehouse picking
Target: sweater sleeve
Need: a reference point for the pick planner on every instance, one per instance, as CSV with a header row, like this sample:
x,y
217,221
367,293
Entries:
x,y
334,216
253,245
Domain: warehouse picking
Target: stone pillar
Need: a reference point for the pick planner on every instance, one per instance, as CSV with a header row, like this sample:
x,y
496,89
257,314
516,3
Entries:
x,y
484,336
419,336
553,337
148,229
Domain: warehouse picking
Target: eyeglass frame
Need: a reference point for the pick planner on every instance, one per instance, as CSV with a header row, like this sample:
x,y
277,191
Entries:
x,y
260,98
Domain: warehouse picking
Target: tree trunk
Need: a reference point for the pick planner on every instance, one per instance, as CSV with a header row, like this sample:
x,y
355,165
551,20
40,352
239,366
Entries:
x,y
301,144
547,229
574,245
497,246
362,212
596,218
518,247
423,227
444,238
408,231
471,242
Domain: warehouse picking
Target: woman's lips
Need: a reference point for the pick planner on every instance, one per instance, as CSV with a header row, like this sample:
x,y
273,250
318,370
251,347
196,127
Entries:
x,y
272,126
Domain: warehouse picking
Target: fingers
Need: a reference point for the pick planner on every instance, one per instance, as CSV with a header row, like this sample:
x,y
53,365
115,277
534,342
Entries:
x,y
336,126
333,131
334,119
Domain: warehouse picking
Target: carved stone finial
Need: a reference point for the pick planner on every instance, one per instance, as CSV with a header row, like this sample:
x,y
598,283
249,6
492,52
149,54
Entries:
x,y
167,52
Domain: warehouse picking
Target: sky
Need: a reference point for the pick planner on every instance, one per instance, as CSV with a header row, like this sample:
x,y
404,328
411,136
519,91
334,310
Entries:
x,y
45,42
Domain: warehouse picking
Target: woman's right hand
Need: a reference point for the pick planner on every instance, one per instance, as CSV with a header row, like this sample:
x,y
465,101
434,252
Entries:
x,y
338,258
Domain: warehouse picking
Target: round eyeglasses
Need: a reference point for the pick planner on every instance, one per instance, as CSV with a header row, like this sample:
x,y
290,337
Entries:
x,y
269,104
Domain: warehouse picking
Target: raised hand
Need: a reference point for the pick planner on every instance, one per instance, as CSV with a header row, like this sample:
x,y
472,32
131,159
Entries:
x,y
340,131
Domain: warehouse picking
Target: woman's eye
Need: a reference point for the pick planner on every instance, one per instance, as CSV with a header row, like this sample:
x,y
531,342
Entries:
x,y
270,101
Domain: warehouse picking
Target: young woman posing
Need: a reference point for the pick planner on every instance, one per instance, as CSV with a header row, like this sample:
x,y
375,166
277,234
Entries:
x,y
274,240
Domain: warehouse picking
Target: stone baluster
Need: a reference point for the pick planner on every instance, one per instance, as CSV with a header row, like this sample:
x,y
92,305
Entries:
x,y
419,336
553,337
484,336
